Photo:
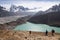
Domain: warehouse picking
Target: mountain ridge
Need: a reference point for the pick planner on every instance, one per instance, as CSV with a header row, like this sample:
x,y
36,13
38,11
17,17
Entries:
x,y
48,17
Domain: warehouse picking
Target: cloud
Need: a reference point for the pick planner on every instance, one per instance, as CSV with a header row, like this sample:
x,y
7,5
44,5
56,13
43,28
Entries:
x,y
29,0
18,1
46,0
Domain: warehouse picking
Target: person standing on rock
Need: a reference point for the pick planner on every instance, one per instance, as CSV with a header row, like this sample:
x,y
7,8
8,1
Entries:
x,y
53,31
29,32
46,33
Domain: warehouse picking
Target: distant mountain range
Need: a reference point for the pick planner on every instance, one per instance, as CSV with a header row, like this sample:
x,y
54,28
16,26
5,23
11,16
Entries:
x,y
15,11
20,10
4,13
15,8
50,16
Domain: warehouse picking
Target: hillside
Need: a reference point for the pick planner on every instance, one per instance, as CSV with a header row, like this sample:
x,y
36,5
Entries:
x,y
52,18
25,35
49,17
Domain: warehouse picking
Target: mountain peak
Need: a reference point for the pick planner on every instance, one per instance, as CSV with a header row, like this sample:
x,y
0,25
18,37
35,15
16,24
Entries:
x,y
54,8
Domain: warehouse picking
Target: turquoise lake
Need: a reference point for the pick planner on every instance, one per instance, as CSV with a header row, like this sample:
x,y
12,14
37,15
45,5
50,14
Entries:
x,y
36,27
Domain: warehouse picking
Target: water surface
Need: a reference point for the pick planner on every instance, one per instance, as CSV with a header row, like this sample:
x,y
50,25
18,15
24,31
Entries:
x,y
36,27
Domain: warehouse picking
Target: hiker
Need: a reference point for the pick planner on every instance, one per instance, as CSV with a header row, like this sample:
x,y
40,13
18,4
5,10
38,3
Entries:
x,y
29,32
46,33
53,31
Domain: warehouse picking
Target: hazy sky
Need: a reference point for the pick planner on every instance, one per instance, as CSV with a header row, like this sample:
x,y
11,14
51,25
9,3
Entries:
x,y
40,4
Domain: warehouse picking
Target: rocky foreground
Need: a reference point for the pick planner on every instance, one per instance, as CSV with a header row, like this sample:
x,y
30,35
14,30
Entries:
x,y
25,35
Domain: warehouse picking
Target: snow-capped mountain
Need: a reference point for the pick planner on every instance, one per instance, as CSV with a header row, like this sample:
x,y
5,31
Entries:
x,y
15,8
20,10
54,8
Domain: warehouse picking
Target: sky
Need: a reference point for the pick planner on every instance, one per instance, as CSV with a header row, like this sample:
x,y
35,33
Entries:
x,y
39,4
